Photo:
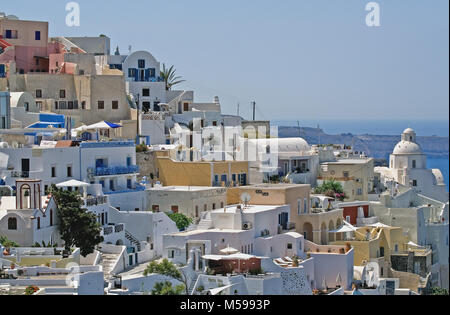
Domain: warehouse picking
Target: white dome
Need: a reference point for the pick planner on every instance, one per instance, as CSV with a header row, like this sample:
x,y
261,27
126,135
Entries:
x,y
407,147
409,130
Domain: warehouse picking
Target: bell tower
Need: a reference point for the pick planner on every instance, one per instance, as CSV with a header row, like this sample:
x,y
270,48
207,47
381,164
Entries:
x,y
28,194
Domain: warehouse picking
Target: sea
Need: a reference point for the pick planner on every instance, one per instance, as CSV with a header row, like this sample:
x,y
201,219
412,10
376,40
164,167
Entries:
x,y
381,127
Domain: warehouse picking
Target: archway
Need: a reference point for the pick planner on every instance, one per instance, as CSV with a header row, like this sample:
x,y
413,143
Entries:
x,y
338,236
308,231
25,197
119,243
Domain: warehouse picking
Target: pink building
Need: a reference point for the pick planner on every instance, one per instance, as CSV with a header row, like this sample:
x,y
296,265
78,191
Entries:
x,y
24,45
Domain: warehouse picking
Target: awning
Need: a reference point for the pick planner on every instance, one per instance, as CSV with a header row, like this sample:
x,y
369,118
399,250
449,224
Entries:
x,y
102,125
72,183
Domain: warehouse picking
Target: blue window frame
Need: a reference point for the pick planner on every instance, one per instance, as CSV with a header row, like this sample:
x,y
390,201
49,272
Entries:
x,y
224,178
37,35
8,34
128,161
102,182
131,72
141,63
129,184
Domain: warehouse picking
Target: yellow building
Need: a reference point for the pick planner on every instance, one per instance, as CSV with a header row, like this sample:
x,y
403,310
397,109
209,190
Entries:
x,y
377,245
208,174
311,216
355,175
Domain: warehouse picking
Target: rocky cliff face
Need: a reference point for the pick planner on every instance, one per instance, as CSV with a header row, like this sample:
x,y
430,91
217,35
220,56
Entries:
x,y
377,146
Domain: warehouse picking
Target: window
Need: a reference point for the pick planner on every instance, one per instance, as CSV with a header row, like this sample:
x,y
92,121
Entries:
x,y
27,106
38,223
146,92
37,35
305,205
289,246
414,164
129,183
131,73
70,105
62,105
101,105
205,208
396,248
171,253
346,174
51,217
299,206
359,191
62,93
39,105
196,211
53,171
414,183
69,171
12,224
155,208
141,63
83,105
38,93
111,184
115,104
214,206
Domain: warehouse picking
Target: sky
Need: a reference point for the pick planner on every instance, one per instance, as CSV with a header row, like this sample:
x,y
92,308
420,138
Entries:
x,y
297,59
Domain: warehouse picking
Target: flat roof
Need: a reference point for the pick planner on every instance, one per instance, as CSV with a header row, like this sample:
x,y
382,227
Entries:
x,y
198,232
274,186
248,209
184,188
349,161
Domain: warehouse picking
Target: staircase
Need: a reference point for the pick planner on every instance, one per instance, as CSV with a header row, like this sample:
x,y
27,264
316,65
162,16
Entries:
x,y
192,284
133,240
206,222
108,261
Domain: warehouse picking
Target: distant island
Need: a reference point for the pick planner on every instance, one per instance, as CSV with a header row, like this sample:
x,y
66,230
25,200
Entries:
x,y
377,146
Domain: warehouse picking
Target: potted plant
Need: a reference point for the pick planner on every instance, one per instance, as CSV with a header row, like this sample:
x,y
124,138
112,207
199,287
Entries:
x,y
30,290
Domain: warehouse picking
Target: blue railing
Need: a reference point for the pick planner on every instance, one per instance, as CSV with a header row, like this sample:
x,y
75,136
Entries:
x,y
128,190
116,170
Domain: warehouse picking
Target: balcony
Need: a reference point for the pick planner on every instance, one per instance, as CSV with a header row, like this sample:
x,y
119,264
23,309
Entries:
x,y
116,170
95,201
120,190
111,229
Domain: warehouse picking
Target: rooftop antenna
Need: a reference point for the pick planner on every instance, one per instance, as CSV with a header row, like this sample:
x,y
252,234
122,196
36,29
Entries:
x,y
238,109
129,48
245,198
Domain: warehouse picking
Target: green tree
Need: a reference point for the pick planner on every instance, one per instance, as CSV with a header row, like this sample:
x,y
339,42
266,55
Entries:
x,y
332,189
165,288
77,226
439,291
168,269
7,243
169,77
181,220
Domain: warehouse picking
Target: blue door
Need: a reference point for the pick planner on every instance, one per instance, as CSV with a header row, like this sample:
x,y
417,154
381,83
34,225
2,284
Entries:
x,y
2,71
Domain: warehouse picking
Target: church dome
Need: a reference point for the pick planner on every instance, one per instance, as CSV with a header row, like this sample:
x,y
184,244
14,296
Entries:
x,y
407,147
409,130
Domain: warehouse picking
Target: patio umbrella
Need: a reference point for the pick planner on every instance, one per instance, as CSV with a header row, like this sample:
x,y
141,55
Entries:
x,y
378,225
229,251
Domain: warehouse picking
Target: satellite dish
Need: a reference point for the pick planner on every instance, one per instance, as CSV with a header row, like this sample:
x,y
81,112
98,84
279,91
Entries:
x,y
245,198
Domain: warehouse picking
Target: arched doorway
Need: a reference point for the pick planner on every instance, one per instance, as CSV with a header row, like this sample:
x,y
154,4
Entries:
x,y
25,197
308,231
323,234
331,237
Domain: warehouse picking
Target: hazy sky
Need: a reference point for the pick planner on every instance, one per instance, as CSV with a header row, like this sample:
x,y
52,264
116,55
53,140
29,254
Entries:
x,y
298,59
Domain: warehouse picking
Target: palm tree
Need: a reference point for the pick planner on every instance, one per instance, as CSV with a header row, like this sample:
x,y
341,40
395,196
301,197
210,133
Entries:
x,y
168,75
